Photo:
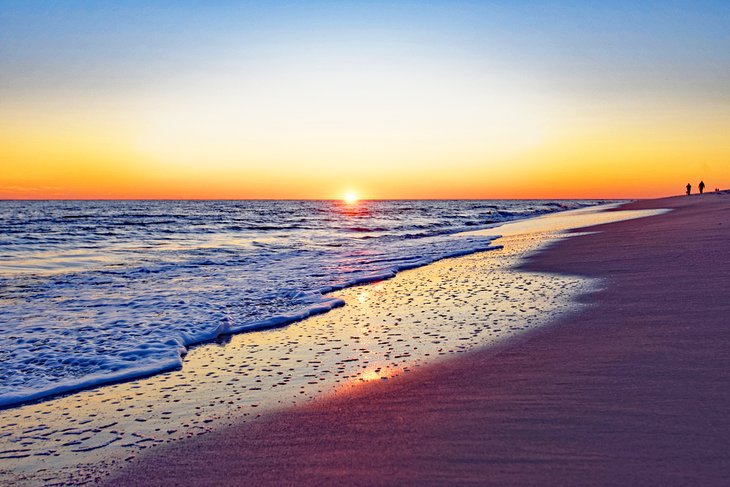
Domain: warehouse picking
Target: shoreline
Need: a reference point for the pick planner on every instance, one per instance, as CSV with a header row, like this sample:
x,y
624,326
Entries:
x,y
324,304
388,329
629,389
327,303
420,317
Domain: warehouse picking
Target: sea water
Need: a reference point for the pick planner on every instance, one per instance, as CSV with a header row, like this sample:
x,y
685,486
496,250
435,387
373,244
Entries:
x,y
99,291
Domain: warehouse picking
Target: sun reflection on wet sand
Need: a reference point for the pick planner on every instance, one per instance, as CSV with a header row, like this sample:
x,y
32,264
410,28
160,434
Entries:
x,y
371,374
379,373
365,293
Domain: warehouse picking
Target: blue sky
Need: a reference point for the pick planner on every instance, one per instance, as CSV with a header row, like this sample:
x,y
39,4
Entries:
x,y
682,46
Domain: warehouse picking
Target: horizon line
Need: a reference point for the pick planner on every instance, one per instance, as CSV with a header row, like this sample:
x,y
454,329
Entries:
x,y
332,199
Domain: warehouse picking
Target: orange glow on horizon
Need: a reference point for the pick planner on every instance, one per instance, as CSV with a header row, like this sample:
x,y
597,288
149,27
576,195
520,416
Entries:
x,y
52,156
40,163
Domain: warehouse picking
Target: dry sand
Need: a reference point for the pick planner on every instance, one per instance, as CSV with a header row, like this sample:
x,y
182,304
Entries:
x,y
631,390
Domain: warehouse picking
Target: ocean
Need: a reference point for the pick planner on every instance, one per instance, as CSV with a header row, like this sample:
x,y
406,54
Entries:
x,y
93,292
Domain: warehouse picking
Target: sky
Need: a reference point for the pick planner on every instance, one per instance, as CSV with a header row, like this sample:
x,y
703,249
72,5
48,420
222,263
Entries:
x,y
430,99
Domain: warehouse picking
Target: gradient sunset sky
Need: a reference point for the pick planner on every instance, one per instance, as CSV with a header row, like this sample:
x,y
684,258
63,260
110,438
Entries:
x,y
512,99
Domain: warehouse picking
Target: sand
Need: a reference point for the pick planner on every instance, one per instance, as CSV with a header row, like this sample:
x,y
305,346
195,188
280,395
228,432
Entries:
x,y
386,330
633,389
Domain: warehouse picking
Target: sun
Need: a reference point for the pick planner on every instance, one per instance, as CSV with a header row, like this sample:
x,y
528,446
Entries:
x,y
350,198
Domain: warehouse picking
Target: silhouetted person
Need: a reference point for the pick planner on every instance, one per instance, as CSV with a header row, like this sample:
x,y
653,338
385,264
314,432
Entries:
x,y
689,188
701,186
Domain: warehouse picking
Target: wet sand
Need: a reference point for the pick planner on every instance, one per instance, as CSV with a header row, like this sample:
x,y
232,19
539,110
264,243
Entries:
x,y
632,389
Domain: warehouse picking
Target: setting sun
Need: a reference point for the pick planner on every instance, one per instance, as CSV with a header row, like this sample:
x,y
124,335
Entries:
x,y
350,198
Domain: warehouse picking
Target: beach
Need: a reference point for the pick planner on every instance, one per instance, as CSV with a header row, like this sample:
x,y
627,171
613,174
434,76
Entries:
x,y
364,243
631,388
387,329
455,371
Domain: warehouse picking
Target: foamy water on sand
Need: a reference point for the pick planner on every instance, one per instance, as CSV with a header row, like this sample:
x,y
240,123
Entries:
x,y
93,292
387,329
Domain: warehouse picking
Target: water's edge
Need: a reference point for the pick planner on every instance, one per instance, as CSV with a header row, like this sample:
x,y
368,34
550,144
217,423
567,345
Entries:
x,y
318,302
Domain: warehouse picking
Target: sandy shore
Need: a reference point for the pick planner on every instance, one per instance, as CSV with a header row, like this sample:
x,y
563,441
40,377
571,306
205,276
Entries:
x,y
387,329
631,390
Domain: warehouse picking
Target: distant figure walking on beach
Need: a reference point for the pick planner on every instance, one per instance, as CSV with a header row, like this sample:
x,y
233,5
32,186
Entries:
x,y
702,186
689,188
